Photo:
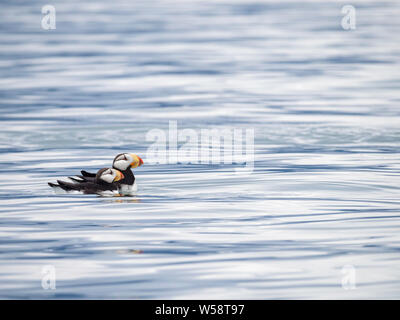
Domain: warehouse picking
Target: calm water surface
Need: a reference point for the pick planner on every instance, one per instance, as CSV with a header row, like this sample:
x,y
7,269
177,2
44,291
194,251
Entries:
x,y
324,106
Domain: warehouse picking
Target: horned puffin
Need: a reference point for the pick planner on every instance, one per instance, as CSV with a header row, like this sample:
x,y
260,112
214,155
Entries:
x,y
126,186
104,182
123,162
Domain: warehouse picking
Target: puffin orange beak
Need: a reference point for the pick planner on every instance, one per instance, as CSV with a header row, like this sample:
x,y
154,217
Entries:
x,y
137,161
119,176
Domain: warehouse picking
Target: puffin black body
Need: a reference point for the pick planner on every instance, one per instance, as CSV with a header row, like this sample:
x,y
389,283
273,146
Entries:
x,y
89,182
105,180
89,176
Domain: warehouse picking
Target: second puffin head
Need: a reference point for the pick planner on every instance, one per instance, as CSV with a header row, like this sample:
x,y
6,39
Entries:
x,y
124,161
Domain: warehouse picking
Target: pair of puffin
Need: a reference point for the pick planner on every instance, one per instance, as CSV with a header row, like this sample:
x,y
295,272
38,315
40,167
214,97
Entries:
x,y
118,180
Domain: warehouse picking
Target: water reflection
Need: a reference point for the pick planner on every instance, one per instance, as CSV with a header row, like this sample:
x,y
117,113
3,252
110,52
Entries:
x,y
121,199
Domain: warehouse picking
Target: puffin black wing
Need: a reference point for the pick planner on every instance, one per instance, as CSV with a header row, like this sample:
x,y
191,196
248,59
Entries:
x,y
88,174
90,185
80,179
86,187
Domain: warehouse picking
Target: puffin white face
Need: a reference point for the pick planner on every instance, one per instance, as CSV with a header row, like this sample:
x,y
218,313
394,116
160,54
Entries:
x,y
111,175
124,161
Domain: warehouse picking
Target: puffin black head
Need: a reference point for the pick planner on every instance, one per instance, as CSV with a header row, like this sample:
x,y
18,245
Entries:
x,y
109,175
124,161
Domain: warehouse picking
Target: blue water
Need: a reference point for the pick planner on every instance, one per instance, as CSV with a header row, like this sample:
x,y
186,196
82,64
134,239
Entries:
x,y
324,106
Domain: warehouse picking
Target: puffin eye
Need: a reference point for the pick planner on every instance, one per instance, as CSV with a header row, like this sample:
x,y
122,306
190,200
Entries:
x,y
108,172
121,157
